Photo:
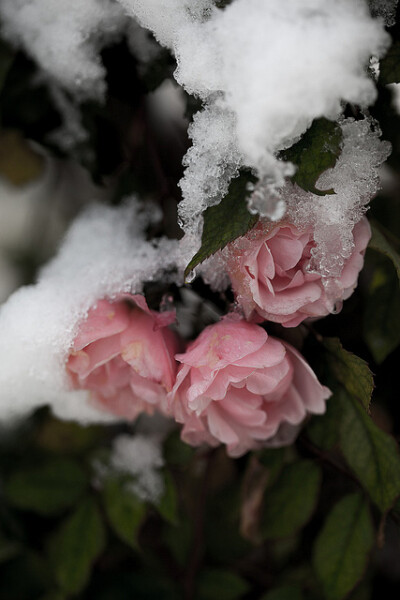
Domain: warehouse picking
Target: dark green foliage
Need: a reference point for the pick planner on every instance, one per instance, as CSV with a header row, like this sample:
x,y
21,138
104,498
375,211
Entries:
x,y
291,501
390,65
226,221
287,592
75,546
341,549
220,584
316,151
382,315
125,512
47,488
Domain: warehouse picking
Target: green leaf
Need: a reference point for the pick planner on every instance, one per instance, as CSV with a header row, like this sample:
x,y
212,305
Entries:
x,y
168,504
220,584
76,545
341,549
323,430
9,548
125,511
317,150
286,592
48,488
389,66
371,453
66,437
226,221
381,322
380,243
350,371
289,504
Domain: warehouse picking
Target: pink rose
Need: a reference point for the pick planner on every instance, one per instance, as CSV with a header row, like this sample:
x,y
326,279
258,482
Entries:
x,y
124,354
242,388
271,280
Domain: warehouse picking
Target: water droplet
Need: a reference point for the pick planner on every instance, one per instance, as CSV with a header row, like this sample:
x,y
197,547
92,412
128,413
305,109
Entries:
x,y
190,276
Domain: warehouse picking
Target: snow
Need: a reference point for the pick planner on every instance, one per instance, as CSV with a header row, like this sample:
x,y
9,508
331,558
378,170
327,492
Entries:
x,y
264,72
104,254
141,457
64,37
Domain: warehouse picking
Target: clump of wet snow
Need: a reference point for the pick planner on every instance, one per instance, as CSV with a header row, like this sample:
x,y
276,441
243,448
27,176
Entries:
x,y
141,457
104,254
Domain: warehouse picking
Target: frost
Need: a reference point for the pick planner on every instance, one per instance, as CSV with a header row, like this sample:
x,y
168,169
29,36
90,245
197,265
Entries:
x,y
355,179
385,9
265,71
64,37
104,253
140,456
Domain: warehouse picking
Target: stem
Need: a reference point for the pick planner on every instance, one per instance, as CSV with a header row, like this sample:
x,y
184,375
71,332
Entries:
x,y
197,550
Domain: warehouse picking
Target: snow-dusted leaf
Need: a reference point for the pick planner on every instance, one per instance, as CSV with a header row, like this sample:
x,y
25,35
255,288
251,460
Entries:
x,y
226,221
341,550
316,151
76,545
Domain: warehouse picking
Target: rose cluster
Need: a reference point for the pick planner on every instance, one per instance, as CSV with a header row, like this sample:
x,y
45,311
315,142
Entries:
x,y
235,384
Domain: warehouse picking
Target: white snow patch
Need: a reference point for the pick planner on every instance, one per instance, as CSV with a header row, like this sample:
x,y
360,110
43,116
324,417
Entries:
x,y
104,253
140,456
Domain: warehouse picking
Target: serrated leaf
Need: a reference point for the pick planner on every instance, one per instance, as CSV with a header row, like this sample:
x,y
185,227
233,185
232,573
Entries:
x,y
389,66
220,584
351,371
125,511
380,243
286,592
342,548
381,322
76,545
371,453
48,488
317,150
225,222
289,504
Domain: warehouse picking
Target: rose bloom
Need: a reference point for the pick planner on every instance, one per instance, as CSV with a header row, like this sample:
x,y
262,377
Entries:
x,y
124,354
271,280
240,387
